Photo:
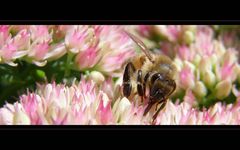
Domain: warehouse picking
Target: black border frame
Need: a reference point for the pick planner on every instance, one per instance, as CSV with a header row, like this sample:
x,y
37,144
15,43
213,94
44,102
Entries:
x,y
200,135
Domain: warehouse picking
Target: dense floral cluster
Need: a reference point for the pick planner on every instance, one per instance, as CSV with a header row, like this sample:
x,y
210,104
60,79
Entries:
x,y
208,67
87,103
101,48
206,58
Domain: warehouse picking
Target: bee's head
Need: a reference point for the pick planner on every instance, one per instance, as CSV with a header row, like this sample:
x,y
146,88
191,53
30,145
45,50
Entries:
x,y
162,87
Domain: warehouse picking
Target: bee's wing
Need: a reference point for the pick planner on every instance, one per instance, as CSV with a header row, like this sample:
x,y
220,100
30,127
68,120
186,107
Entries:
x,y
140,44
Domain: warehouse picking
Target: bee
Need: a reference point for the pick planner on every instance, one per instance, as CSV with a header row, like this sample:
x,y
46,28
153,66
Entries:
x,y
155,72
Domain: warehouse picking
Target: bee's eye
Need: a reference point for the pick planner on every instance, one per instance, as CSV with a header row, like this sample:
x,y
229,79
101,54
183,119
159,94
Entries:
x,y
167,80
156,76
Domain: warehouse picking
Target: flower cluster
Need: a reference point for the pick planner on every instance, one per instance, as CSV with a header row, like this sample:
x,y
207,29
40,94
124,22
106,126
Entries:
x,y
208,74
184,114
30,43
207,68
100,48
86,103
82,103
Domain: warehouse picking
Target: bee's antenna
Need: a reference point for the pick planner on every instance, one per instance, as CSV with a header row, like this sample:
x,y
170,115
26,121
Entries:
x,y
140,44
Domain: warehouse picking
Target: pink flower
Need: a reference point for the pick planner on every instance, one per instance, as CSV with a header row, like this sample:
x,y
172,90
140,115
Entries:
x,y
185,114
15,47
60,31
39,53
207,70
114,54
209,63
58,104
20,117
84,103
227,69
39,50
88,58
190,98
31,106
9,52
126,113
22,40
144,30
34,42
40,33
4,34
79,38
171,32
104,112
204,41
13,114
108,54
6,115
111,88
185,53
186,78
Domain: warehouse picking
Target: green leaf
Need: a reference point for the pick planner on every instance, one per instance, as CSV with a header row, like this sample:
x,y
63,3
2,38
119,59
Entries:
x,y
40,74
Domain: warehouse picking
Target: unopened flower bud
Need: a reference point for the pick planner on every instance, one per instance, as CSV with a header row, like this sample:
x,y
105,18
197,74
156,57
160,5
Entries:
x,y
186,77
188,37
209,78
200,90
190,65
220,49
97,77
230,56
236,70
178,64
223,89
205,65
197,59
213,59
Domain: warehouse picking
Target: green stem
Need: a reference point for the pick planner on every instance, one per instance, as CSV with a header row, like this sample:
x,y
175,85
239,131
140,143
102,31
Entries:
x,y
68,64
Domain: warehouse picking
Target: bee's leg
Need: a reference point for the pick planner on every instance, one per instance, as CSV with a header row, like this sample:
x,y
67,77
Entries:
x,y
127,87
140,84
145,82
163,104
149,106
166,97
157,106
